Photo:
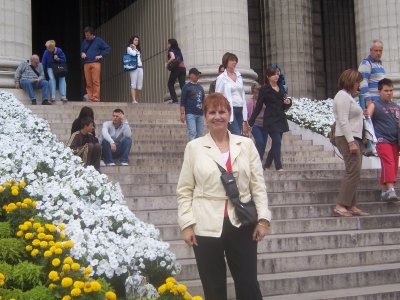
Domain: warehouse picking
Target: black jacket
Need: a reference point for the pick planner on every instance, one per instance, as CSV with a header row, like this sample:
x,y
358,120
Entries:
x,y
274,115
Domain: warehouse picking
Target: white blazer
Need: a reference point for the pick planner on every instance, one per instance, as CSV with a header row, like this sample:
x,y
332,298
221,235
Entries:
x,y
200,193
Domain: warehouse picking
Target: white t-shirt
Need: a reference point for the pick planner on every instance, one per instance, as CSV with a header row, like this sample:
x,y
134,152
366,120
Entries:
x,y
236,90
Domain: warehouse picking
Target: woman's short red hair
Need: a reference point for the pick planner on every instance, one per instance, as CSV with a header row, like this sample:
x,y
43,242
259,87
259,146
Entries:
x,y
216,100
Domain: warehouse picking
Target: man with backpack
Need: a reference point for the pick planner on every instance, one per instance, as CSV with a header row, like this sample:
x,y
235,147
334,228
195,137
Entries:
x,y
30,76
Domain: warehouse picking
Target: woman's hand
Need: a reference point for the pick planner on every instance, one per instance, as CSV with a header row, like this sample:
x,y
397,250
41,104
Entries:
x,y
189,237
354,148
246,129
287,101
261,230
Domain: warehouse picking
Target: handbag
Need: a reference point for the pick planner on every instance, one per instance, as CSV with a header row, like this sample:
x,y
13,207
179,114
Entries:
x,y
173,64
129,62
59,69
246,212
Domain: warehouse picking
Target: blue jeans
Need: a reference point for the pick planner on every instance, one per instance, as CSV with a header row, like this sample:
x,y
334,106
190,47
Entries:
x,y
62,85
29,86
195,126
260,139
274,153
236,126
122,152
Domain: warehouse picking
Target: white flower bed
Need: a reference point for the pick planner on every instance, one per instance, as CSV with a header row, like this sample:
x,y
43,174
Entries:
x,y
316,115
105,232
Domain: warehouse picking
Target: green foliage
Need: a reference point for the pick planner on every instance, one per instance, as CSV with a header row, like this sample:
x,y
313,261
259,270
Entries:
x,y
5,230
27,275
39,293
7,271
12,250
154,274
16,294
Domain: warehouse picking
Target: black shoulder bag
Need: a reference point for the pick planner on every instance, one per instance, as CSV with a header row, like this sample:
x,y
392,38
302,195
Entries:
x,y
246,212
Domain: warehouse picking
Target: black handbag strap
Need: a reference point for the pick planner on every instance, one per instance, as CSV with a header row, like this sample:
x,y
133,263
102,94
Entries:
x,y
90,45
34,70
222,169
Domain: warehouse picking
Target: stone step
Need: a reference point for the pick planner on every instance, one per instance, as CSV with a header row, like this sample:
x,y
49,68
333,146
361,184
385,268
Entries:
x,y
279,243
139,203
275,263
316,280
169,217
272,186
269,176
384,291
307,225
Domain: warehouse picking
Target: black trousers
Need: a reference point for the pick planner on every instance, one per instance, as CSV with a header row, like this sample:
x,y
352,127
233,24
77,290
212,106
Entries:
x,y
177,73
241,255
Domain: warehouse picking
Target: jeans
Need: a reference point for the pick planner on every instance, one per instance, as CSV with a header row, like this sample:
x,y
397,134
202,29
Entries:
x,y
274,153
236,126
122,152
180,74
62,85
195,126
29,86
260,139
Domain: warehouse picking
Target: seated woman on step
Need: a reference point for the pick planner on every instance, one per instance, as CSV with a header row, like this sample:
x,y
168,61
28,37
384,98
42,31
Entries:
x,y
207,217
349,125
85,145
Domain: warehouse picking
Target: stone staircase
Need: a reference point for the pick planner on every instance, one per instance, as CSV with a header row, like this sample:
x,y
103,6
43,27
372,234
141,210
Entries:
x,y
308,255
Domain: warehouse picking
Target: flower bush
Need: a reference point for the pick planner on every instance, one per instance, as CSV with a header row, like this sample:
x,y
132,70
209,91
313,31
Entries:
x,y
316,115
104,231
172,290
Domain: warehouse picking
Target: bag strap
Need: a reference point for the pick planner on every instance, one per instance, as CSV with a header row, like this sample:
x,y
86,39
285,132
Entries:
x,y
222,169
90,45
34,70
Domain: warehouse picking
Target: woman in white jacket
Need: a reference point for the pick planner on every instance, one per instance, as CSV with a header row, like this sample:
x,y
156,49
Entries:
x,y
136,75
230,84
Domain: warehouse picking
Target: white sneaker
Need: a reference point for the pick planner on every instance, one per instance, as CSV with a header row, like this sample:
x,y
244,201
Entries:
x,y
110,165
124,164
102,163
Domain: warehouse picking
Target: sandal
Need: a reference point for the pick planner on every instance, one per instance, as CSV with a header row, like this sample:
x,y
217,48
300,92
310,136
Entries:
x,y
358,212
340,213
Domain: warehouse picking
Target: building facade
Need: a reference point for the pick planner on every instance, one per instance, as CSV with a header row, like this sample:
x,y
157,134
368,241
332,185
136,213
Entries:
x,y
313,40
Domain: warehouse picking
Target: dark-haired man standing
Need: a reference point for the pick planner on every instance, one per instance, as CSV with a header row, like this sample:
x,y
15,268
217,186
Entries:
x,y
93,50
117,141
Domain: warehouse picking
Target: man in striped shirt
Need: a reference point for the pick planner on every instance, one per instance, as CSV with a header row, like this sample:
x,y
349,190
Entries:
x,y
372,71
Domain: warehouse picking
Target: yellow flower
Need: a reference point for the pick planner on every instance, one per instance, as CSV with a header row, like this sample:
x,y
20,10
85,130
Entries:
x,y
14,192
6,184
27,201
49,237
87,270
18,204
162,289
33,204
79,284
68,244
67,297
51,227
29,235
28,223
66,267
20,233
44,244
51,244
36,225
58,244
181,289
41,236
23,227
96,286
52,286
187,296
75,266
66,282
35,242
23,205
61,226
169,285
61,235
87,287
1,189
58,251
47,254
56,262
53,275
111,295
1,284
2,277
170,279
40,229
68,260
75,292
22,184
34,252
197,298
28,248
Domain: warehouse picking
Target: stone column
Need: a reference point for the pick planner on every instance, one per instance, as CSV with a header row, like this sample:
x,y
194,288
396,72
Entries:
x,y
289,42
16,38
380,20
206,29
